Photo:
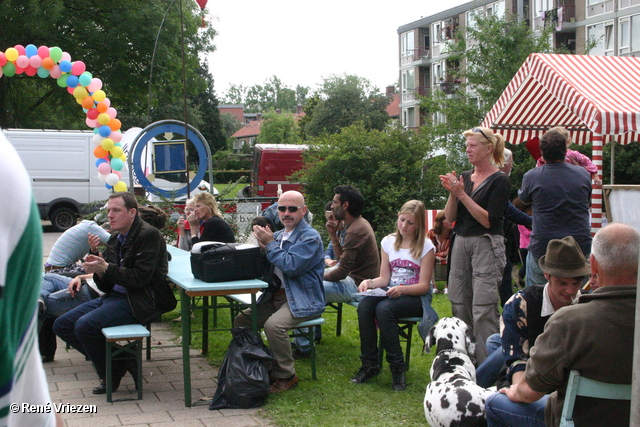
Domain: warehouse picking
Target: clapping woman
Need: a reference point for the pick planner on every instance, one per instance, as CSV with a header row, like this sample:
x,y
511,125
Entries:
x,y
405,272
477,201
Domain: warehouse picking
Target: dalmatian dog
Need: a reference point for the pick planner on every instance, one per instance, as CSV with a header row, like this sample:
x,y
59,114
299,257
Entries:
x,y
452,397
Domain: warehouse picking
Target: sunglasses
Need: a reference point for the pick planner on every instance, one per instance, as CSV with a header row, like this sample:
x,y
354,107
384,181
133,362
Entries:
x,y
291,209
480,130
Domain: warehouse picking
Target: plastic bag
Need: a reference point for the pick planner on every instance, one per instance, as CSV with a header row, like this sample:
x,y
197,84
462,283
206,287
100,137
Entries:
x,y
243,379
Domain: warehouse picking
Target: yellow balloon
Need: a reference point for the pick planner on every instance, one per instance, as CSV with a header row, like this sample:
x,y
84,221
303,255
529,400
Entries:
x,y
123,157
107,143
116,151
80,93
99,95
103,118
120,187
11,54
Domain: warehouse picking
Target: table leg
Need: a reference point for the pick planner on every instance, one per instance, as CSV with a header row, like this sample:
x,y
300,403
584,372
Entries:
x,y
254,313
205,324
185,306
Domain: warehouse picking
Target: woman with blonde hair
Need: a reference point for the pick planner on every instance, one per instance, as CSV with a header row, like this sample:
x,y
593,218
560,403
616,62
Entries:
x,y
405,273
477,202
215,229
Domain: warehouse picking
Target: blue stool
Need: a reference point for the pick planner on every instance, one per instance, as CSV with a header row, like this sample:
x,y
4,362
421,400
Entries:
x,y
133,334
310,335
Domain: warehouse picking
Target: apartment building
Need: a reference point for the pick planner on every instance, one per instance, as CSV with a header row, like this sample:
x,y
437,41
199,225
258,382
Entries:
x,y
425,67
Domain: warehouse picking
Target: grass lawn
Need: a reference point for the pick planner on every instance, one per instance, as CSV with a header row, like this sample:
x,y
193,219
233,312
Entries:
x,y
333,400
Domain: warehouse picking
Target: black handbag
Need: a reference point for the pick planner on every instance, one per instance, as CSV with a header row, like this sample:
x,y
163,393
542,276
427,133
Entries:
x,y
224,262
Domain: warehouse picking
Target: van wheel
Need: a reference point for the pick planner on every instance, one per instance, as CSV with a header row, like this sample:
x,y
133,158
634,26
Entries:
x,y
63,219
244,192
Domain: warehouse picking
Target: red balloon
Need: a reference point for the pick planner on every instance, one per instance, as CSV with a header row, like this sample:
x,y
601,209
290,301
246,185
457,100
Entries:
x,y
93,113
30,71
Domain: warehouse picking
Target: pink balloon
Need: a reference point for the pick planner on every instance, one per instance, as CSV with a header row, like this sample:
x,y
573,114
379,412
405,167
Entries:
x,y
21,50
96,84
91,123
104,168
19,70
65,57
22,61
35,61
116,136
78,68
3,59
118,173
55,72
70,89
107,102
43,52
111,112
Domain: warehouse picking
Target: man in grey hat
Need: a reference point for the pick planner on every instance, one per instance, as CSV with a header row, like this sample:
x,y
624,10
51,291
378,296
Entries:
x,y
594,336
528,310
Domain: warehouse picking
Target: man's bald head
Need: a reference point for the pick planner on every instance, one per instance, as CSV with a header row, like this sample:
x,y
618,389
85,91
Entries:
x,y
295,210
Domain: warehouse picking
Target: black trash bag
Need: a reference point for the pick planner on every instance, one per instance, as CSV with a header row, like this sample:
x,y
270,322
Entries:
x,y
243,379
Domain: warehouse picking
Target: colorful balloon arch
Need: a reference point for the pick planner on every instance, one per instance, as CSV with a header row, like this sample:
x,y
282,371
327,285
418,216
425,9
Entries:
x,y
87,90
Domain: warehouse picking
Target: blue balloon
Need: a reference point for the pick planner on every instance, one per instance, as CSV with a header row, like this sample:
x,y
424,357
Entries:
x,y
100,161
72,81
30,50
65,66
104,131
108,186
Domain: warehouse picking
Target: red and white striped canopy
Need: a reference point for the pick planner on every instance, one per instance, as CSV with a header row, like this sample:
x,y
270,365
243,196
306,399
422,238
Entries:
x,y
586,94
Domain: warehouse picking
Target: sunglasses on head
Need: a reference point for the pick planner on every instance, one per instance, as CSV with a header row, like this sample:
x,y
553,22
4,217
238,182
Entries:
x,y
480,130
291,209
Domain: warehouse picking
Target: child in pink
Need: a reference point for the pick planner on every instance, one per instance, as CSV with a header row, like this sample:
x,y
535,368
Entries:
x,y
576,158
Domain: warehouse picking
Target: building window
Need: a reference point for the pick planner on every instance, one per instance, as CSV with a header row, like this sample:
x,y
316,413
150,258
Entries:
x,y
496,9
629,38
542,6
602,34
406,40
438,73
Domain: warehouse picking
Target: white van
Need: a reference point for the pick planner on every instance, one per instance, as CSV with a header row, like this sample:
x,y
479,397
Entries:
x,y
62,168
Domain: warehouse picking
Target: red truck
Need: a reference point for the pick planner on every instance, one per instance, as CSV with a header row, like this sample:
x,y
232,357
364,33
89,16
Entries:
x,y
272,165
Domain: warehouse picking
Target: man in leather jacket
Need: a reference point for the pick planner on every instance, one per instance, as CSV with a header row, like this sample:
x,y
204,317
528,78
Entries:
x,y
132,272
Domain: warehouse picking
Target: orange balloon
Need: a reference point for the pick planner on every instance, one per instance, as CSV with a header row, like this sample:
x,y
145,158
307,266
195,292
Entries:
x,y
87,102
102,107
100,152
48,64
114,124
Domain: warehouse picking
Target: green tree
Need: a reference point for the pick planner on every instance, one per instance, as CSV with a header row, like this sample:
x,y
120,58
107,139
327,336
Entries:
x,y
279,128
116,42
345,100
272,94
490,53
387,166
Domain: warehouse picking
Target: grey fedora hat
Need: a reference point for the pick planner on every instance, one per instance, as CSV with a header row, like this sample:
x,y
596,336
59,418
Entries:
x,y
564,258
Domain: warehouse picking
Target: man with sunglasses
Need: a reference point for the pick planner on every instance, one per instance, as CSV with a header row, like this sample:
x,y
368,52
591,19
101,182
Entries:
x,y
295,291
357,251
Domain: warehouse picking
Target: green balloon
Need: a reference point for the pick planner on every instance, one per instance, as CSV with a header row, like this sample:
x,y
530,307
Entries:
x,y
56,54
62,80
9,69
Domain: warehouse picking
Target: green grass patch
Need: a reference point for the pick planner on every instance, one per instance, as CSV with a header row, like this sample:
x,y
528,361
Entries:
x,y
332,400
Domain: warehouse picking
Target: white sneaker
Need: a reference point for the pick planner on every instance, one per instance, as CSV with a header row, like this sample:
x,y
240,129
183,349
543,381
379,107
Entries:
x,y
446,291
435,290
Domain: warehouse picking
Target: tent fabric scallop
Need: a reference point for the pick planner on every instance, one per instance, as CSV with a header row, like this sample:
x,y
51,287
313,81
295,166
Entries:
x,y
586,94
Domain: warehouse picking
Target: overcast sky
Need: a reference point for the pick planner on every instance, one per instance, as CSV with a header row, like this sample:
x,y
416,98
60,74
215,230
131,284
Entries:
x,y
303,42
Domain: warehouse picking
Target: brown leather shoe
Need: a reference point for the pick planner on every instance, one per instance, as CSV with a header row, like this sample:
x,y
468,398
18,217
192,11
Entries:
x,y
283,384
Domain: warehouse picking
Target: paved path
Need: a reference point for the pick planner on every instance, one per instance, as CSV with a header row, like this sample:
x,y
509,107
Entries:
x,y
71,379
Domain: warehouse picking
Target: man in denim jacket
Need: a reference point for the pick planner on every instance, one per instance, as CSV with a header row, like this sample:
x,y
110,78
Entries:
x,y
295,292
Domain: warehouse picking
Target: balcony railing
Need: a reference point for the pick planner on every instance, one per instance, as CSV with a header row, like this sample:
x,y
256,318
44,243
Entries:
x,y
414,94
413,55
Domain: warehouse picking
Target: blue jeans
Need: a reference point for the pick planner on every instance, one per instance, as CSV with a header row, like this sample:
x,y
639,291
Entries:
x,y
82,326
57,298
502,412
383,313
488,371
534,275
341,291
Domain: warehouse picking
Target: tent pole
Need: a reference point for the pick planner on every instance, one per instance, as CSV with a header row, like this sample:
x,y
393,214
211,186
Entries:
x,y
596,193
613,162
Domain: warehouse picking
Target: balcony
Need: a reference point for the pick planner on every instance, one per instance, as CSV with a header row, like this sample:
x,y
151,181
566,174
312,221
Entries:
x,y
413,55
449,87
414,94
